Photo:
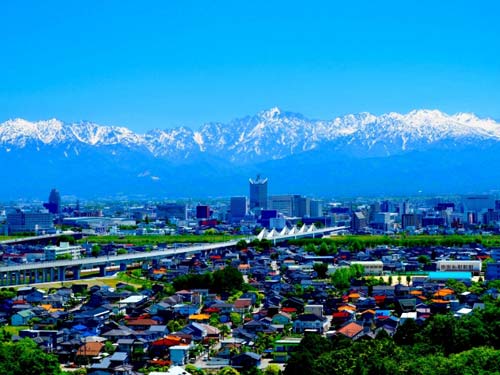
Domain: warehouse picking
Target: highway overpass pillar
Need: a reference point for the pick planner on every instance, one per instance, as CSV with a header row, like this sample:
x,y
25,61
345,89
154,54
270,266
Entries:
x,y
102,270
123,267
76,272
52,274
61,271
16,277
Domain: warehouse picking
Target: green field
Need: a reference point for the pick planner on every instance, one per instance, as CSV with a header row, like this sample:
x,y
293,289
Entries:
x,y
154,239
3,238
14,330
367,241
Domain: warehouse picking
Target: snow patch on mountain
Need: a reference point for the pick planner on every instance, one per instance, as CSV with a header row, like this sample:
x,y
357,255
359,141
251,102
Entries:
x,y
269,135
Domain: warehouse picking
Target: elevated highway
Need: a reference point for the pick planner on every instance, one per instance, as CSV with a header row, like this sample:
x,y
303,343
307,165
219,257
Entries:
x,y
39,272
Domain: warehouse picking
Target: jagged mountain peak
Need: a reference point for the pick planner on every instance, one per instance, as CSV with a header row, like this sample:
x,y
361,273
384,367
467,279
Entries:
x,y
270,134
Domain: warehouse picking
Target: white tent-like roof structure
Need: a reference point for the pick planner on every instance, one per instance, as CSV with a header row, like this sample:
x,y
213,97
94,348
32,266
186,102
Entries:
x,y
284,231
272,234
263,234
303,229
312,228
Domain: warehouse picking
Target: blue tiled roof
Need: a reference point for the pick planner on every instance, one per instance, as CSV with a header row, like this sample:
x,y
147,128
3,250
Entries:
x,y
441,275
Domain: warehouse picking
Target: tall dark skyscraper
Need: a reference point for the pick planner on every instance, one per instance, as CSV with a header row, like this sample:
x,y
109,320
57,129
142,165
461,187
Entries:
x,y
54,204
258,193
238,207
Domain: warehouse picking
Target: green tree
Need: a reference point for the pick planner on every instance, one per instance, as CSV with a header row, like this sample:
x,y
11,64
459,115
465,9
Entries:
x,y
235,318
406,333
272,369
25,358
241,244
96,249
175,325
424,259
66,238
227,279
109,347
64,257
7,294
192,369
228,371
321,269
323,249
457,286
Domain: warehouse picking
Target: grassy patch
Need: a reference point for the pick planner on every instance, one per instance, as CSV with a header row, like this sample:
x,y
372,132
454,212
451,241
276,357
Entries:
x,y
14,330
129,278
154,239
362,241
5,238
99,281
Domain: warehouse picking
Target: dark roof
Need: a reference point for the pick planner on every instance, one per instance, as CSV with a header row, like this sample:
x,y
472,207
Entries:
x,y
310,318
251,355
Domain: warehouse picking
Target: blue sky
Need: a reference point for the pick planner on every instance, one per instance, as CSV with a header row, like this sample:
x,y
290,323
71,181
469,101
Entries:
x,y
159,64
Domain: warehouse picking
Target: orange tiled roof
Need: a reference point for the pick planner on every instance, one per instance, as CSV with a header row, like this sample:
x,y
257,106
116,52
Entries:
x,y
443,292
369,311
142,322
440,301
199,317
347,307
350,330
242,303
90,349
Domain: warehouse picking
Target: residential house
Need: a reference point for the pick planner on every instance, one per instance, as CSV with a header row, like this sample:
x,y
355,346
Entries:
x,y
87,351
22,318
179,354
242,305
282,318
246,360
351,330
284,347
305,322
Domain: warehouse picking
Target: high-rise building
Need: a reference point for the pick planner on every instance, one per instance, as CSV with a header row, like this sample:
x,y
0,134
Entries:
x,y
316,208
54,203
291,205
302,207
29,221
258,193
358,222
411,220
171,211
386,206
238,208
284,204
405,208
202,212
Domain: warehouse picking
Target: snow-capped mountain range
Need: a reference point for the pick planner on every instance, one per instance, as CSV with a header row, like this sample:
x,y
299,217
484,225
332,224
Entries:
x,y
271,134
353,154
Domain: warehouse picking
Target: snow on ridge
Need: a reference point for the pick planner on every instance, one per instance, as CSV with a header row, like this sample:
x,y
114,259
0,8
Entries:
x,y
267,135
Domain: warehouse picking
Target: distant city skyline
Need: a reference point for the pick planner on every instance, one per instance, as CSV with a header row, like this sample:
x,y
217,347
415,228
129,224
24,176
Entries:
x,y
177,63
